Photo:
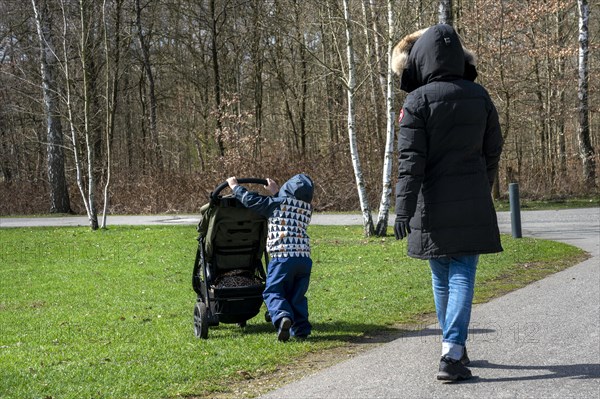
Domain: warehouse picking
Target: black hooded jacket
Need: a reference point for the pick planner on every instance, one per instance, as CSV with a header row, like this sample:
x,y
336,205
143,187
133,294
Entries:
x,y
449,146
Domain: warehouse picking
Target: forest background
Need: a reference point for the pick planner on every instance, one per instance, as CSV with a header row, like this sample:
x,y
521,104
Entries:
x,y
164,99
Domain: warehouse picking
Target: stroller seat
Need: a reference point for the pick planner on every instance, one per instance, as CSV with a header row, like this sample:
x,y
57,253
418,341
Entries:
x,y
237,242
229,275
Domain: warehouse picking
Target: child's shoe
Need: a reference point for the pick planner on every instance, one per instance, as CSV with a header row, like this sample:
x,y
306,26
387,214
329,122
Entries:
x,y
283,334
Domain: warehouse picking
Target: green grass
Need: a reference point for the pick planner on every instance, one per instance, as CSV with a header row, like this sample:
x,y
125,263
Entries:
x,y
108,314
551,204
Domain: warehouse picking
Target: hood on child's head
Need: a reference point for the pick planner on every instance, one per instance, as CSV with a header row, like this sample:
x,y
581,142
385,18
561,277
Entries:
x,y
299,186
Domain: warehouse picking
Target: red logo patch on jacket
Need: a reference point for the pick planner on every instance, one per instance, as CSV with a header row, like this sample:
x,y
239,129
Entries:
x,y
401,115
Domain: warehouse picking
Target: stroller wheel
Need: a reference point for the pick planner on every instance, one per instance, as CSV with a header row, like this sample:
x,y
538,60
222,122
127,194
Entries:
x,y
200,320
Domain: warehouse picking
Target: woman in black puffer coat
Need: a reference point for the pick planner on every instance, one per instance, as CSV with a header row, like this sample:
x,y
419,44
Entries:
x,y
449,146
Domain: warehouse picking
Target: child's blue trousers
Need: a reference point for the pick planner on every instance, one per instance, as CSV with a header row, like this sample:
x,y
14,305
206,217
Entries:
x,y
284,295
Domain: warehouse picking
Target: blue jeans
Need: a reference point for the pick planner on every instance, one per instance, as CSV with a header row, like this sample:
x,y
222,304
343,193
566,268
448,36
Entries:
x,y
284,294
453,282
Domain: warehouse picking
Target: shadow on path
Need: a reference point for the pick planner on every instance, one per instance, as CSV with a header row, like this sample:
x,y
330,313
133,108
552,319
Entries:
x,y
574,371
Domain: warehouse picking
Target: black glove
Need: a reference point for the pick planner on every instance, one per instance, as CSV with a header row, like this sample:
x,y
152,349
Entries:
x,y
401,228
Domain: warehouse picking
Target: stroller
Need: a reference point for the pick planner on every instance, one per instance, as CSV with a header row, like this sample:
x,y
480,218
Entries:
x,y
229,274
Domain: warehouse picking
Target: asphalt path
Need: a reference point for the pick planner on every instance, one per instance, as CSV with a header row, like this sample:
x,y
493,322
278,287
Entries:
x,y
542,341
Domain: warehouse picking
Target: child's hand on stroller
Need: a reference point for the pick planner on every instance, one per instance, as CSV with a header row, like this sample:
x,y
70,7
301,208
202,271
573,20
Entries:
x,y
232,181
272,186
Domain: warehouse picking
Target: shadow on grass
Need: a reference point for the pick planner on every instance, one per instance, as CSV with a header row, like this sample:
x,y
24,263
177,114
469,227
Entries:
x,y
362,333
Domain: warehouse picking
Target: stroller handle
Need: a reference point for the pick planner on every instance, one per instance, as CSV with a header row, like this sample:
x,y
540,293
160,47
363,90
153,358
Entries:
x,y
214,196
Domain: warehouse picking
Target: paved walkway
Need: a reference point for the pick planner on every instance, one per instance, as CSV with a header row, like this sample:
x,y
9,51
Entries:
x,y
542,341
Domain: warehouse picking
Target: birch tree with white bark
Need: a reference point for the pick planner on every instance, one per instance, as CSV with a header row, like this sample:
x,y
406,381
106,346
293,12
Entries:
x,y
384,205
350,91
586,150
84,55
111,94
59,194
86,190
445,12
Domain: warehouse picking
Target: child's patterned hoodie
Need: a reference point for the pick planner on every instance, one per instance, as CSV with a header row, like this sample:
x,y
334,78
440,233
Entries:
x,y
289,214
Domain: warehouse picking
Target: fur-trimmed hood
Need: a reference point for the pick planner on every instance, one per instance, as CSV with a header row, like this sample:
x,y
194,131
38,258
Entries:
x,y
432,54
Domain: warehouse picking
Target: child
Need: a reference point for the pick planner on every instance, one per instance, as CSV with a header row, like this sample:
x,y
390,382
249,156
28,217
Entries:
x,y
288,273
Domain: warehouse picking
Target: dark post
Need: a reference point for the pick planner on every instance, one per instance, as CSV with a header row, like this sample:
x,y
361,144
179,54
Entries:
x,y
515,209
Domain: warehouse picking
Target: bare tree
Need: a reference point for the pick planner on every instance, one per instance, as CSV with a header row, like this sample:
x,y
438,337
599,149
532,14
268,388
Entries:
x,y
145,46
376,37
301,96
273,76
372,64
215,23
59,194
87,193
258,57
384,205
445,12
350,90
585,146
327,59
84,55
111,90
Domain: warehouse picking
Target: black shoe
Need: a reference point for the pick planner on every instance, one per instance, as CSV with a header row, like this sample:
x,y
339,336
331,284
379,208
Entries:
x,y
465,358
283,333
453,370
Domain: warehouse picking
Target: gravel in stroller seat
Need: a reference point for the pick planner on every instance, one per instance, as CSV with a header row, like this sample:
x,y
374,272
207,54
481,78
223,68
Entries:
x,y
236,278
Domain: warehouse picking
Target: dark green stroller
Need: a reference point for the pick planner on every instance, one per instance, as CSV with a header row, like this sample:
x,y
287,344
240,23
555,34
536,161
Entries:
x,y
229,274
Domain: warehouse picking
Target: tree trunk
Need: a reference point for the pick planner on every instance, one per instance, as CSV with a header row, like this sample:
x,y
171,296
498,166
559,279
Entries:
x,y
157,151
257,54
74,135
303,81
559,91
384,206
5,162
372,69
84,53
376,36
586,150
111,89
506,128
351,88
329,88
217,78
445,12
59,193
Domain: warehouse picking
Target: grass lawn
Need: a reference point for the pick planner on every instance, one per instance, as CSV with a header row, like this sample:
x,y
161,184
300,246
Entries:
x,y
551,204
108,314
